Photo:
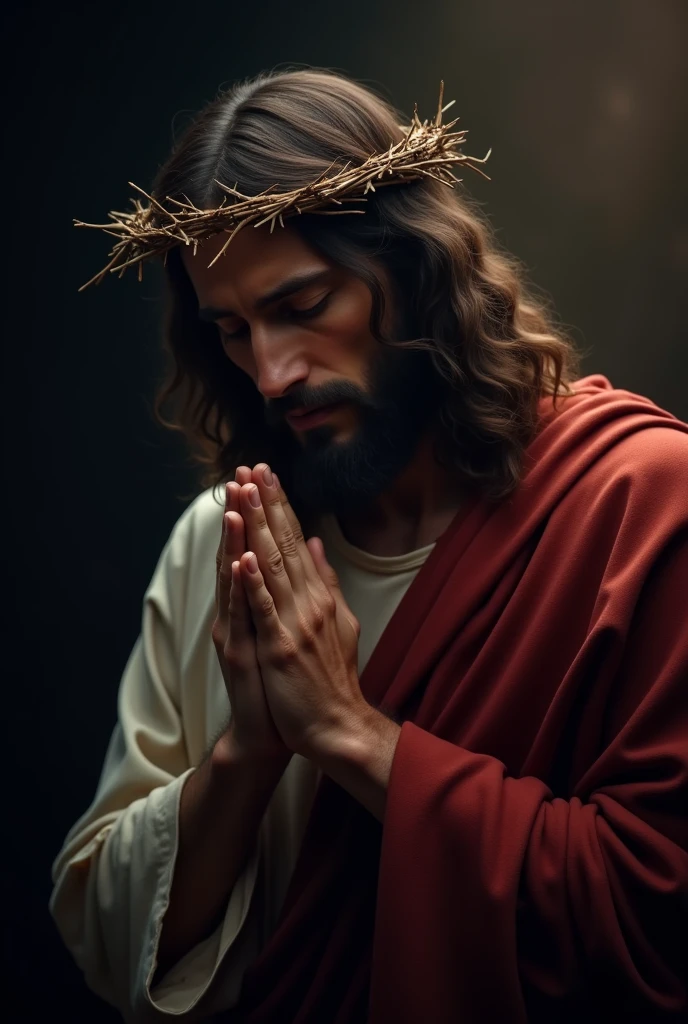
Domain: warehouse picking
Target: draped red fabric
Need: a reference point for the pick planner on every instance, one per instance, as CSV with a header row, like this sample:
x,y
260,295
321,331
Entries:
x,y
532,865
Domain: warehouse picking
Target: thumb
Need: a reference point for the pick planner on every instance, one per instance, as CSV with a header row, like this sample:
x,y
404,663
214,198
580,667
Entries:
x,y
241,635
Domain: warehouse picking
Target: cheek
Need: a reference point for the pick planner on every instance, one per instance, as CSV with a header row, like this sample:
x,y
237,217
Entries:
x,y
349,325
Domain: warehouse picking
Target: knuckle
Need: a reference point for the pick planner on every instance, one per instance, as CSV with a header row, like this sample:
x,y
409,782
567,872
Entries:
x,y
283,651
234,660
225,576
274,502
266,605
218,634
275,562
317,616
323,602
309,626
288,545
334,579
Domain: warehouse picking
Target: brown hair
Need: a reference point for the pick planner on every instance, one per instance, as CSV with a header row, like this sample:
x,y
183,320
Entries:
x,y
493,343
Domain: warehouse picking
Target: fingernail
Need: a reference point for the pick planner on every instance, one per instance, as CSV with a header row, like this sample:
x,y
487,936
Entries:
x,y
254,497
267,476
276,479
252,563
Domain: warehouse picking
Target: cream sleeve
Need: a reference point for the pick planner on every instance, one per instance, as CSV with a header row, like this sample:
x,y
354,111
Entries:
x,y
113,876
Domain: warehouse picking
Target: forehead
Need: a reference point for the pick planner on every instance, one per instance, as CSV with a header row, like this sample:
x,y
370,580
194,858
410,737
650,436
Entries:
x,y
254,262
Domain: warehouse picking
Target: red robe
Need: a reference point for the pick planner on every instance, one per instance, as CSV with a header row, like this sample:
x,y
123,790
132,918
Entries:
x,y
533,861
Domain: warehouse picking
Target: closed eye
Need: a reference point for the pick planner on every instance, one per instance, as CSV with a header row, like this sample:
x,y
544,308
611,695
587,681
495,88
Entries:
x,y
292,314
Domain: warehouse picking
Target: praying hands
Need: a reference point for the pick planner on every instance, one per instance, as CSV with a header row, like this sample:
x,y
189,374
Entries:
x,y
281,616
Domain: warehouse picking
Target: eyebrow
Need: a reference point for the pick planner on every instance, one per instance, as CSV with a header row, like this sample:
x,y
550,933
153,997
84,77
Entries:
x,y
288,287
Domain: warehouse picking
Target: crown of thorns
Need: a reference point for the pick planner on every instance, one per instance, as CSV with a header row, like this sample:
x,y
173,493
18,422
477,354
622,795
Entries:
x,y
427,150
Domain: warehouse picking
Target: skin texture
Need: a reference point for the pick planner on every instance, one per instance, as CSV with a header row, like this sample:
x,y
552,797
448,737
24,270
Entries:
x,y
390,496
288,622
306,647
287,644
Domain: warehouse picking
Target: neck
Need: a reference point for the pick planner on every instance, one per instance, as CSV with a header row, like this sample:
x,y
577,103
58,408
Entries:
x,y
413,512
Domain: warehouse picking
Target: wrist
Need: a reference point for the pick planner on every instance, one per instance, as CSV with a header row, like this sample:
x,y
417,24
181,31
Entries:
x,y
229,753
358,755
349,737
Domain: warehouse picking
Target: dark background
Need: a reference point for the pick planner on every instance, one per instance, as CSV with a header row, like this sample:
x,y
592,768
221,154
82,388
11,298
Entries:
x,y
584,105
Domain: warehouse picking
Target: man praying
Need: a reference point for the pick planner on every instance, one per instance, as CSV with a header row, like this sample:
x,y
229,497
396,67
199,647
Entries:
x,y
404,735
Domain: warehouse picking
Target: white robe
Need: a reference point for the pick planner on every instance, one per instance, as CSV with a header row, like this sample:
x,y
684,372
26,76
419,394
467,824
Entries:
x,y
112,877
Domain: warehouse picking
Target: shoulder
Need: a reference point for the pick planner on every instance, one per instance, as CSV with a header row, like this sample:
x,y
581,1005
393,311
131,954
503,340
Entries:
x,y
609,434
632,498
651,460
200,523
187,561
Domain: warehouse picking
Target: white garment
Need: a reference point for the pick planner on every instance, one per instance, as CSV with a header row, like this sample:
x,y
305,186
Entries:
x,y
113,875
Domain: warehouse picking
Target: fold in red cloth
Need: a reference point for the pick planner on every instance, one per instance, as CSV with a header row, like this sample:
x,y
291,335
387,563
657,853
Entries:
x,y
533,861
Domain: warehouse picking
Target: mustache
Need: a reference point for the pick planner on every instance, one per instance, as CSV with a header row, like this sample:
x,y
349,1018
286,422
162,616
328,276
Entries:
x,y
277,409
387,369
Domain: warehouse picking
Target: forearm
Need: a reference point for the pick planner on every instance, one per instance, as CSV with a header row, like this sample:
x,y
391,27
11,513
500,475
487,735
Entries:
x,y
221,807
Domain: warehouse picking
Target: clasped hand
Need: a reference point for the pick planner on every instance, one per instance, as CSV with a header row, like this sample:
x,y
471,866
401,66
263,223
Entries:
x,y
286,639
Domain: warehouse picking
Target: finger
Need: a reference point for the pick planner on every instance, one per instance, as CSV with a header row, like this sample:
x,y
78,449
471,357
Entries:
x,y
311,573
237,538
281,528
242,475
239,646
263,609
260,540
231,505
232,489
241,629
233,539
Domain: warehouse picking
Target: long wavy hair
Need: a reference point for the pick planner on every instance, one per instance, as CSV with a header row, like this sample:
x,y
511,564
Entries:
x,y
494,344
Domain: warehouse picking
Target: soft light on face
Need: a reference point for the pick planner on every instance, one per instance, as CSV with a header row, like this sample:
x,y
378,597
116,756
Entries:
x,y
298,326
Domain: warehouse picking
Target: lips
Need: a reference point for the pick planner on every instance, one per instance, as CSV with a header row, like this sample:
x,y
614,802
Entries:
x,y
306,412
311,417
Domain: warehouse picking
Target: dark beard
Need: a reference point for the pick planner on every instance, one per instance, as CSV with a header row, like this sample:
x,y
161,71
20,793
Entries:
x,y
401,401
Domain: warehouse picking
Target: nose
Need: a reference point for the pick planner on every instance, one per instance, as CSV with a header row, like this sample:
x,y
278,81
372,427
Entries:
x,y
279,363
